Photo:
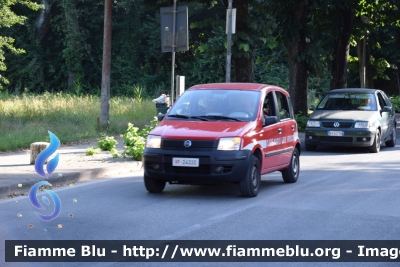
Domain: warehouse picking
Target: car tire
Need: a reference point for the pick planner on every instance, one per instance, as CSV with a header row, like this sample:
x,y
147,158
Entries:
x,y
291,173
392,141
250,186
310,147
376,146
153,185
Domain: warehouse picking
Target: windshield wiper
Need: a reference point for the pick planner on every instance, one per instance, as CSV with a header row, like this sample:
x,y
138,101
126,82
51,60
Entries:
x,y
187,117
219,117
179,116
199,117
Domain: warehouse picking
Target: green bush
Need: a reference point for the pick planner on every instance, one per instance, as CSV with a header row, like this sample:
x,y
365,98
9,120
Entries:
x,y
396,102
135,140
301,122
92,151
114,153
107,143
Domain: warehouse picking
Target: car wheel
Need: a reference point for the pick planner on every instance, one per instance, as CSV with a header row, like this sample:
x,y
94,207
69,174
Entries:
x,y
376,146
250,185
392,141
291,174
310,147
153,185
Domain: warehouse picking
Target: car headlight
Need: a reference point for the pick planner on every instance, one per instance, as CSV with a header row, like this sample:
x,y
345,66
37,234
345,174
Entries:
x,y
153,141
313,124
229,143
362,124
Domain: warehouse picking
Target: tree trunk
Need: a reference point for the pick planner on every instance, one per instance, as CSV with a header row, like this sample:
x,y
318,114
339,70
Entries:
x,y
106,69
244,69
341,53
298,71
369,77
360,58
35,150
244,65
42,21
397,36
369,82
71,79
74,41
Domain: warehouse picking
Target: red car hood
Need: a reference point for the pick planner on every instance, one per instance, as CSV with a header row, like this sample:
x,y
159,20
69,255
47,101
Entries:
x,y
212,130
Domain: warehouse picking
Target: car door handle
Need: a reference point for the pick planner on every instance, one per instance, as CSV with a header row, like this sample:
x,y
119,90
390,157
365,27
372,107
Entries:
x,y
280,130
292,127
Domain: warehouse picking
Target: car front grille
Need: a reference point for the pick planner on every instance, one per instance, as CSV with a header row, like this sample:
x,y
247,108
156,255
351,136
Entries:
x,y
330,124
336,139
195,144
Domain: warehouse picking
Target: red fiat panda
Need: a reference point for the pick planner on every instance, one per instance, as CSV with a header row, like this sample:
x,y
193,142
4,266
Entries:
x,y
224,132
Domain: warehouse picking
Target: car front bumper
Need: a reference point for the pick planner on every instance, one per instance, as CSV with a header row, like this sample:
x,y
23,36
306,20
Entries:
x,y
214,166
351,137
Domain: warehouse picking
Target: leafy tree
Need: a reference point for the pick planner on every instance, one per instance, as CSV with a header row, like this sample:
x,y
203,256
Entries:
x,y
342,14
7,19
352,19
253,30
295,44
382,28
292,18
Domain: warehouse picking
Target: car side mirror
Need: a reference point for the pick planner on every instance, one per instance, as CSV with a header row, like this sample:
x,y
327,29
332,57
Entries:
x,y
386,109
270,120
311,107
160,116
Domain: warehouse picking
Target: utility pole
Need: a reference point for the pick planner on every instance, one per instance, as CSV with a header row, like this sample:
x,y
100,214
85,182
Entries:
x,y
229,44
363,62
173,52
365,19
172,40
106,69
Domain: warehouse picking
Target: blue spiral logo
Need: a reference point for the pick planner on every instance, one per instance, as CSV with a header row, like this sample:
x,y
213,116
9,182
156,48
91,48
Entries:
x,y
36,204
41,158
51,166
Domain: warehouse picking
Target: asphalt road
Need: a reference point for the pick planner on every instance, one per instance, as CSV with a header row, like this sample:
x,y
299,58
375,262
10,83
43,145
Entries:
x,y
341,194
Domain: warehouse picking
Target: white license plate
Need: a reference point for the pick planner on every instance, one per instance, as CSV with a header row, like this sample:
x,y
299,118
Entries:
x,y
335,133
185,162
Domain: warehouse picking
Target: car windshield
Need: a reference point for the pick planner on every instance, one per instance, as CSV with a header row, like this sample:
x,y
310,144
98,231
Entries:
x,y
211,105
348,101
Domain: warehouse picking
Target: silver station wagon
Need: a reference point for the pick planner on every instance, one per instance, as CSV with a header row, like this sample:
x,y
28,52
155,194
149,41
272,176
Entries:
x,y
352,117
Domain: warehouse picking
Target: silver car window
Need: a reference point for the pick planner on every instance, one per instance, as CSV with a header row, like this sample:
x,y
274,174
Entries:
x,y
348,101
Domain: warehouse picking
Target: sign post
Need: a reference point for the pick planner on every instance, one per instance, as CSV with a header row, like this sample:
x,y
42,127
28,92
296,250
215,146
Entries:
x,y
173,40
230,28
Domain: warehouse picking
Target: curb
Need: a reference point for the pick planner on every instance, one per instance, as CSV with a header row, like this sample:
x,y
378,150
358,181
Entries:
x,y
71,177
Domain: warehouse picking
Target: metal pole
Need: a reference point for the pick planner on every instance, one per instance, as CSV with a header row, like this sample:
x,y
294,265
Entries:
x,y
229,44
106,68
173,52
363,62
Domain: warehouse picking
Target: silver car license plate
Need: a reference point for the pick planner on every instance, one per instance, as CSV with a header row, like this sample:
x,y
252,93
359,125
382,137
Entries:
x,y
335,133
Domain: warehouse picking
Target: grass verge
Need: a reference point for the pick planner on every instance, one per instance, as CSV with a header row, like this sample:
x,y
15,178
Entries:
x,y
25,119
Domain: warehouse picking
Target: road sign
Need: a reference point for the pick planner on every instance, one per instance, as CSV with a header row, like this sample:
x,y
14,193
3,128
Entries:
x,y
181,42
233,26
